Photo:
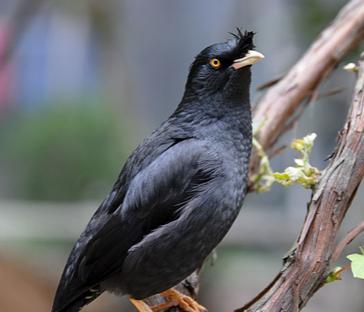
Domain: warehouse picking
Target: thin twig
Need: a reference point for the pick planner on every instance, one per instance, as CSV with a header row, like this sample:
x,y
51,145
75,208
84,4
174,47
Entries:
x,y
349,237
331,92
259,295
345,268
277,151
269,83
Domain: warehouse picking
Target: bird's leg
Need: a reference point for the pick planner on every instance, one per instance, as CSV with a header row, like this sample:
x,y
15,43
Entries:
x,y
175,298
140,305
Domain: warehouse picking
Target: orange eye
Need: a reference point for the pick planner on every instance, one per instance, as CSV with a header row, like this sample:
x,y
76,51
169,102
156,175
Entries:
x,y
215,63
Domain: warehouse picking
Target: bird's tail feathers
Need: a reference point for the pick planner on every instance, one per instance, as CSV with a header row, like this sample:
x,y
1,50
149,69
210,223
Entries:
x,y
76,304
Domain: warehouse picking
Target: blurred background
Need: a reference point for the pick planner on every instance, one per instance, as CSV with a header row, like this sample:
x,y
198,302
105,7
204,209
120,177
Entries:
x,y
82,82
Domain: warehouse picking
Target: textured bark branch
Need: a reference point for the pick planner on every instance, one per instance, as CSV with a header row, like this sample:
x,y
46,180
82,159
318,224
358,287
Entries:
x,y
281,101
304,271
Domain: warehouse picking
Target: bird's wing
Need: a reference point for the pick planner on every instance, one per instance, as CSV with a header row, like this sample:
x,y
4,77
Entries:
x,y
154,197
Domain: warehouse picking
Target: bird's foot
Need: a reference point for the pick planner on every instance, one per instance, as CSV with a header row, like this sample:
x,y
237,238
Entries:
x,y
164,306
140,305
175,298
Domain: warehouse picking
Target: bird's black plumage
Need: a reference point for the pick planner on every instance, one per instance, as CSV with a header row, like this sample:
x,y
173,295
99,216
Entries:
x,y
178,193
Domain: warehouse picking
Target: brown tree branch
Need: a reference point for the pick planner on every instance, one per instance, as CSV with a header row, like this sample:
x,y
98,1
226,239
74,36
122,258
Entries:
x,y
281,101
305,270
349,237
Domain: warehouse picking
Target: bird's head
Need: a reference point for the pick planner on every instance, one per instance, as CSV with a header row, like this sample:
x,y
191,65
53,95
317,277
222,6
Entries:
x,y
224,68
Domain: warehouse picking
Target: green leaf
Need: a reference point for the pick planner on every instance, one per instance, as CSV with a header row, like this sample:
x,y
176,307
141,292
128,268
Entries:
x,y
281,176
357,265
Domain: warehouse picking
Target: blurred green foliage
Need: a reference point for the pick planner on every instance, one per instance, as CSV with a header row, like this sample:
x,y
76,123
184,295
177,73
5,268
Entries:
x,y
65,151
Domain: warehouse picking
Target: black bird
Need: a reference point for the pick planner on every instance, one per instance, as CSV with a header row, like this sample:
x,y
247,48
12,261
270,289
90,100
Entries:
x,y
178,193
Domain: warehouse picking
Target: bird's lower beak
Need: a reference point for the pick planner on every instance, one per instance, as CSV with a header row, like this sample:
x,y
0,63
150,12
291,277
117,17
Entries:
x,y
250,58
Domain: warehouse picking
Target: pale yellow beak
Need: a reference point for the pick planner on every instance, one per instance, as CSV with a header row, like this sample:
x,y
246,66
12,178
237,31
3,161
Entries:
x,y
250,58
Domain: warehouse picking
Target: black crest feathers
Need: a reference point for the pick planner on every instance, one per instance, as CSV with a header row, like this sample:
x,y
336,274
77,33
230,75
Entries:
x,y
244,40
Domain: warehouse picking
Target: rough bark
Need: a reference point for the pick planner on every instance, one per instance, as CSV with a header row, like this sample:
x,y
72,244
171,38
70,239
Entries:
x,y
304,271
278,106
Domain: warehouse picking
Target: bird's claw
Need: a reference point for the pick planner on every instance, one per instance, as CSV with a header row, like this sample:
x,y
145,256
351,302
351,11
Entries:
x,y
190,305
186,303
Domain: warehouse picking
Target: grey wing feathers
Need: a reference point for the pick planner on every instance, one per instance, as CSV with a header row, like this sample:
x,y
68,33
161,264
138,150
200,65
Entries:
x,y
153,197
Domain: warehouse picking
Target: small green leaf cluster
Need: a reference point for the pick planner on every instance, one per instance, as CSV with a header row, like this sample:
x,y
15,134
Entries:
x,y
302,172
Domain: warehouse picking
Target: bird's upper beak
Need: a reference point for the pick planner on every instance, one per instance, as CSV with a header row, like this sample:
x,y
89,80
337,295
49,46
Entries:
x,y
250,58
